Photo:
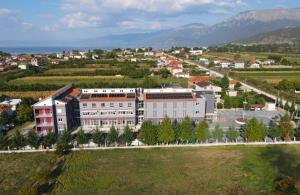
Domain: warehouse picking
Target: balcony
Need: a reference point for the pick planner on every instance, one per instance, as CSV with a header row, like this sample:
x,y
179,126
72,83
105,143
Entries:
x,y
44,114
44,124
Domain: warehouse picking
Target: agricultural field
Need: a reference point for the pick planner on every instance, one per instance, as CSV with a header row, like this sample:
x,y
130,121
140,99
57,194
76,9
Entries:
x,y
247,56
213,170
87,79
26,94
272,77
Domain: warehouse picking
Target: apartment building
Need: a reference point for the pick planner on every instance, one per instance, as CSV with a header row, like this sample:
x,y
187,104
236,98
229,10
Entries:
x,y
174,103
90,108
58,111
106,107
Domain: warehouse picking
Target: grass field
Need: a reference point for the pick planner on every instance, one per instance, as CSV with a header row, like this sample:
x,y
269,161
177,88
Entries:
x,y
20,171
215,170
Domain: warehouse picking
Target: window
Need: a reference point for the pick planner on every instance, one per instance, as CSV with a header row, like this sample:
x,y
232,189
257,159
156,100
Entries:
x,y
154,114
184,104
111,104
129,104
165,105
174,113
60,119
197,103
154,105
84,105
175,104
120,105
102,105
197,112
93,105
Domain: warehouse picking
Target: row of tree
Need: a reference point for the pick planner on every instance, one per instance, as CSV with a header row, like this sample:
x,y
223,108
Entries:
x,y
186,131
150,134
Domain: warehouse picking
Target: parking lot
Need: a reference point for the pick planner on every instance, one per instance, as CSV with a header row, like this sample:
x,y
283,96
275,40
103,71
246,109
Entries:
x,y
228,117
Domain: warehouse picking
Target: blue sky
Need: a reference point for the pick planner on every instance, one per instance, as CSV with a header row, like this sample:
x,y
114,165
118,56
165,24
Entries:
x,y
68,20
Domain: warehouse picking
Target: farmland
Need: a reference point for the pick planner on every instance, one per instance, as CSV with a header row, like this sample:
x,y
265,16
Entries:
x,y
272,77
215,170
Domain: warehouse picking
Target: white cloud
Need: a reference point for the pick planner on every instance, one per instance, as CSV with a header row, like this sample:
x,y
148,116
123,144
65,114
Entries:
x,y
4,11
80,20
140,24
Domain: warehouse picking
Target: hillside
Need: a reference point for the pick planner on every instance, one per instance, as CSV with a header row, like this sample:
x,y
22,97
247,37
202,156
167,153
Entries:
x,y
281,36
240,26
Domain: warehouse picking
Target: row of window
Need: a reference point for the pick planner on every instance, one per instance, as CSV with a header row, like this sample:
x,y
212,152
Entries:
x,y
107,122
112,105
95,113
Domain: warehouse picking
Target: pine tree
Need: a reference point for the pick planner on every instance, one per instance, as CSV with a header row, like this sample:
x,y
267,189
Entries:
x,y
128,135
254,131
81,137
186,129
112,135
98,137
148,133
165,132
33,139
202,131
285,127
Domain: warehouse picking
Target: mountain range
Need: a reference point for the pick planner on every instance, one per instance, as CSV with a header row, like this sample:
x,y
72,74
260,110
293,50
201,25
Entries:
x,y
243,26
290,35
238,27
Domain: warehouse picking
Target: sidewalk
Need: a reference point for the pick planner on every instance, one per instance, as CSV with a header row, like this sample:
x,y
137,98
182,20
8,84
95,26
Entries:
x,y
161,146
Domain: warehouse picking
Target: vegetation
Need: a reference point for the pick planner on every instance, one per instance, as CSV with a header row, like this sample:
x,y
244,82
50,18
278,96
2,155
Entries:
x,y
222,170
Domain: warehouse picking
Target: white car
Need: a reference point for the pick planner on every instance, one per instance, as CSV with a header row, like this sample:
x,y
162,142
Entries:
x,y
136,142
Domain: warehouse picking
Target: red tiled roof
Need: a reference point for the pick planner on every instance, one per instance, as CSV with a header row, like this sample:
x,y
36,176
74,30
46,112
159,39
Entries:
x,y
196,79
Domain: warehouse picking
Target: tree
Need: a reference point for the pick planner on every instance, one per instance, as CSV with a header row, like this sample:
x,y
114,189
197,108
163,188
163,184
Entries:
x,y
148,133
285,127
24,113
149,82
224,83
273,131
112,135
232,134
186,129
63,144
227,102
165,73
3,141
165,131
81,137
49,139
254,131
4,118
98,137
202,131
128,135
33,139
237,86
286,106
18,141
218,133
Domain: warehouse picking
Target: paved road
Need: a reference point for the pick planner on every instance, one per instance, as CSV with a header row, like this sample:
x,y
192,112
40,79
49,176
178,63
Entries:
x,y
217,74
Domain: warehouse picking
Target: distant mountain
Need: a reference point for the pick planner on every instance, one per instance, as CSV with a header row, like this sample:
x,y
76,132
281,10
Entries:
x,y
238,27
281,36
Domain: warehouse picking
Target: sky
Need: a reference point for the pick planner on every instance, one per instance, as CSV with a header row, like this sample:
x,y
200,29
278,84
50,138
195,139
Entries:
x,y
68,20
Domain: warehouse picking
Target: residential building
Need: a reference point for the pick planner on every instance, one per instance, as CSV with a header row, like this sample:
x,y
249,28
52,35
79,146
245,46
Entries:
x,y
91,108
106,107
12,103
239,65
174,103
196,79
196,52
57,112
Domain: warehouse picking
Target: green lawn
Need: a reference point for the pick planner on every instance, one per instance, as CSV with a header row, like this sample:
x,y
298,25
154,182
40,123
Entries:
x,y
269,76
214,170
